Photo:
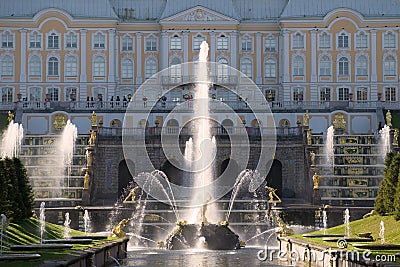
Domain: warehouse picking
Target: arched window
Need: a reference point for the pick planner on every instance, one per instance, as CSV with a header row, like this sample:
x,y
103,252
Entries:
x,y
324,41
343,66
126,68
99,67
127,43
270,68
298,41
35,66
52,67
343,40
71,67
7,40
389,40
324,66
362,66
246,66
222,69
389,66
53,41
298,66
7,66
150,67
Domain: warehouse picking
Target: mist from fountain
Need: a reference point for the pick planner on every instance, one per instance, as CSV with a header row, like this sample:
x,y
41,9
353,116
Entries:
x,y
42,221
67,228
384,142
87,222
329,150
12,140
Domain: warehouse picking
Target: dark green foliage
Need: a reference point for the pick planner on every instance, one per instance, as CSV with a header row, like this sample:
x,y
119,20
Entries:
x,y
388,198
16,196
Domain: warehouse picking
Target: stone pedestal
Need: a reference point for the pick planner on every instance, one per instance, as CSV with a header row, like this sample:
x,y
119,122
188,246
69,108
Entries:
x,y
316,197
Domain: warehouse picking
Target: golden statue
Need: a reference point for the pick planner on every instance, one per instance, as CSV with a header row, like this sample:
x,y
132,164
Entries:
x,y
161,244
92,138
312,156
309,137
284,231
316,179
86,182
89,157
59,122
273,197
396,138
131,198
10,117
339,122
204,210
388,118
93,118
306,119
118,230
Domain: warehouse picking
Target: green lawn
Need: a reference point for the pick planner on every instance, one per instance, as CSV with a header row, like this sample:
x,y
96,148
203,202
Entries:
x,y
27,232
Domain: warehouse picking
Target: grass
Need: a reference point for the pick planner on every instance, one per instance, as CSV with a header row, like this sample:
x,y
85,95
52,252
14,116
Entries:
x,y
370,224
28,232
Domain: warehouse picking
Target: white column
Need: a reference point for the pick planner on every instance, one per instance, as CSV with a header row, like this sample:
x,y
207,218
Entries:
x,y
313,56
111,55
373,56
22,77
164,50
213,46
83,75
285,53
258,58
185,53
139,58
234,49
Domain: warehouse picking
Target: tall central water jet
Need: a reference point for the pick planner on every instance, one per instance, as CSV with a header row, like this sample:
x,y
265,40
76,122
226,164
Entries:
x,y
203,144
11,140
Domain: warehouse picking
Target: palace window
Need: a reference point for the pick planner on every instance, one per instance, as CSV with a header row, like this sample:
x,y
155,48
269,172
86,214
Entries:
x,y
298,41
389,40
71,66
53,41
126,69
99,67
362,66
222,68
35,95
298,94
390,94
54,93
246,66
7,95
343,66
362,94
222,42
151,43
343,40
325,94
197,40
389,66
176,43
325,66
71,40
35,66
70,91
270,68
298,66
361,40
99,41
270,44
7,40
127,43
35,40
7,66
150,67
247,44
324,41
176,69
52,66
343,94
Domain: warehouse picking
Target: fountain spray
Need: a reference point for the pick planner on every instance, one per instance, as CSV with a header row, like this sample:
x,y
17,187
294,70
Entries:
x,y
42,220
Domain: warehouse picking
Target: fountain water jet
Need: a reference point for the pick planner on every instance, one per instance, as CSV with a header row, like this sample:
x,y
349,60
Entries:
x,y
11,140
384,141
42,221
86,222
347,229
67,229
328,148
324,220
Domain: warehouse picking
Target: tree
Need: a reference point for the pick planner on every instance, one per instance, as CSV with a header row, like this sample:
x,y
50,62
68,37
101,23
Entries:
x,y
381,204
397,201
25,189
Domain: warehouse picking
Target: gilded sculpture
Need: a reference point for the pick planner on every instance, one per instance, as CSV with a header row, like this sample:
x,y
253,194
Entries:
x,y
316,179
396,138
59,122
118,230
309,136
10,117
339,122
273,197
312,156
92,138
86,182
388,118
93,119
89,157
131,198
306,119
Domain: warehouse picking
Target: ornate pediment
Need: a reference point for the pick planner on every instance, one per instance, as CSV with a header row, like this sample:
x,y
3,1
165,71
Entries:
x,y
198,14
